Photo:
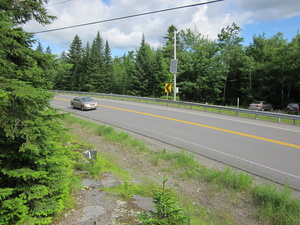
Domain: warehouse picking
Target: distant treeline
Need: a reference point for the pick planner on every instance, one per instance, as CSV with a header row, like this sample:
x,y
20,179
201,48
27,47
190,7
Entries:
x,y
214,71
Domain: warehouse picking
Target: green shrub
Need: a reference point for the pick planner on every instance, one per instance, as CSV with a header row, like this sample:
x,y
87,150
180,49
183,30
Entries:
x,y
168,211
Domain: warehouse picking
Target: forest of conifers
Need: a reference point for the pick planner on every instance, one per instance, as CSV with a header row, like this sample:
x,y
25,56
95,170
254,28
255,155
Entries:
x,y
209,71
36,152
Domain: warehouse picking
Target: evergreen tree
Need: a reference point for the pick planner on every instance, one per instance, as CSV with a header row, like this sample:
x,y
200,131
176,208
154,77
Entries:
x,y
96,66
108,69
39,47
161,72
85,65
34,169
128,73
142,81
48,50
118,68
21,11
60,72
75,78
168,49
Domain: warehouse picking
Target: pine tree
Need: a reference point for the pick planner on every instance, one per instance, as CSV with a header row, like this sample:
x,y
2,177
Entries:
x,y
96,66
168,49
161,72
108,69
39,47
48,50
143,77
74,77
127,78
34,170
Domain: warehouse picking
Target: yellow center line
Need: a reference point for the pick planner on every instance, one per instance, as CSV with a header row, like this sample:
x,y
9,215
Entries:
x,y
210,127
202,125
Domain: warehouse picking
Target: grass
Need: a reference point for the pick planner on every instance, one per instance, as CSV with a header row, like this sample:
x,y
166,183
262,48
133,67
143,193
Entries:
x,y
273,206
276,206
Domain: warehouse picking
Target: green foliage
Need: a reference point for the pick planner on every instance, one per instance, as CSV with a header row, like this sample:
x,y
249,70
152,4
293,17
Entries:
x,y
228,178
275,206
217,71
34,170
35,175
24,11
168,211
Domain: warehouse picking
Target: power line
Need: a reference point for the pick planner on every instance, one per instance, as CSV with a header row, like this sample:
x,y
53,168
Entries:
x,y
126,17
58,3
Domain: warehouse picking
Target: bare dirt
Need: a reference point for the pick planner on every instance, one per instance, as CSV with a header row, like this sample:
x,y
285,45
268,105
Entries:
x,y
218,203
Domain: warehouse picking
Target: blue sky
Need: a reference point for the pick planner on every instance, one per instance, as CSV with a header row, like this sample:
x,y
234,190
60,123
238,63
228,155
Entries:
x,y
289,28
255,17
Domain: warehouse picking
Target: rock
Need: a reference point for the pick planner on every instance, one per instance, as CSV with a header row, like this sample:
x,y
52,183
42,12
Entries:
x,y
91,183
91,212
109,181
144,203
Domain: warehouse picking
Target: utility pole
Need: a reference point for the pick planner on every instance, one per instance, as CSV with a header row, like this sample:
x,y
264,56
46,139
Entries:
x,y
174,88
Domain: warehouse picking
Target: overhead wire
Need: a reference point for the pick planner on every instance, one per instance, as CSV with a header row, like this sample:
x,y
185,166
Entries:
x,y
58,3
127,17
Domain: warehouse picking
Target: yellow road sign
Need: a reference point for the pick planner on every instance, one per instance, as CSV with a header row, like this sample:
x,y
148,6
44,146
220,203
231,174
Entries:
x,y
168,87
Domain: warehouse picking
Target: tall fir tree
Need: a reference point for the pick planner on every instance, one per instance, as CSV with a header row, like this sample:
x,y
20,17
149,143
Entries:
x,y
74,79
108,69
168,49
96,66
143,76
34,180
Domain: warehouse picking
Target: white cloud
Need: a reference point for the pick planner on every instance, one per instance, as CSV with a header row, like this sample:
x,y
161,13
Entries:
x,y
126,34
270,9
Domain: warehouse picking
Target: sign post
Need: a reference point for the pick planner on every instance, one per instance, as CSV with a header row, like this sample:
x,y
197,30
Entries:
x,y
168,89
173,67
175,89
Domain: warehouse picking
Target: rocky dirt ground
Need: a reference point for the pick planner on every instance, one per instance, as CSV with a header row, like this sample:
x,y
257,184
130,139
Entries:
x,y
95,206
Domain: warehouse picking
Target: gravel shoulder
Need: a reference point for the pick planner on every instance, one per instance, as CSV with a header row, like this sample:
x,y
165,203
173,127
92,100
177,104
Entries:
x,y
95,206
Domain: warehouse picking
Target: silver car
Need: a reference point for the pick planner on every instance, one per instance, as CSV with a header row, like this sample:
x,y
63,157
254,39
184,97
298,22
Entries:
x,y
83,103
261,106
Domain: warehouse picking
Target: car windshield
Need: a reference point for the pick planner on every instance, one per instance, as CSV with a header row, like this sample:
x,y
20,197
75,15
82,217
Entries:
x,y
86,99
294,105
256,103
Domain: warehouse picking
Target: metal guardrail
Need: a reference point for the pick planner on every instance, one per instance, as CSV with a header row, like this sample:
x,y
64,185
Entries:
x,y
257,113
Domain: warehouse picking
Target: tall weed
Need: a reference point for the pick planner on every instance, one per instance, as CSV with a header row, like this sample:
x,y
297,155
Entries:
x,y
275,206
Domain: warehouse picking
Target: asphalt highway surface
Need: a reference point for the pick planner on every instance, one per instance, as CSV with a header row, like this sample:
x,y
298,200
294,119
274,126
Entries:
x,y
267,149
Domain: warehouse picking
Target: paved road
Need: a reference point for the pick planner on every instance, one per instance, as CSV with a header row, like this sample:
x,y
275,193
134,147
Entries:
x,y
267,149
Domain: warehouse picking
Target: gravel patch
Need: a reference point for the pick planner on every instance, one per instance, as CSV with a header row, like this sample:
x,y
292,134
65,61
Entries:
x,y
95,206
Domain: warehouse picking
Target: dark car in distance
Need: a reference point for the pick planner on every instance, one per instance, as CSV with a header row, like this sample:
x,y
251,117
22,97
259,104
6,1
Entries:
x,y
83,103
293,108
261,106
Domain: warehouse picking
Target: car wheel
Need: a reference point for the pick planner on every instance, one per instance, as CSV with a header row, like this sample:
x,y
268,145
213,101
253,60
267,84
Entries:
x,y
82,108
73,106
262,109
